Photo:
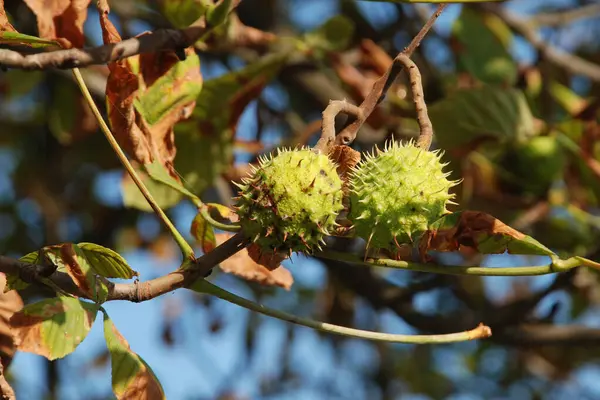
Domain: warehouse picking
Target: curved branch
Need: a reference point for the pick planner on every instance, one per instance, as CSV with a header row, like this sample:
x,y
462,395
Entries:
x,y
160,40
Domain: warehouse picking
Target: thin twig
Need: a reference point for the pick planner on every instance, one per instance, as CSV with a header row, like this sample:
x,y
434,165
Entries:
x,y
480,332
567,16
416,85
159,40
382,85
569,62
334,108
185,247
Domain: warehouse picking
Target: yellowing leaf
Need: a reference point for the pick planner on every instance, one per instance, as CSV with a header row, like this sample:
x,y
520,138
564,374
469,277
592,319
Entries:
x,y
53,327
76,265
204,233
132,378
106,262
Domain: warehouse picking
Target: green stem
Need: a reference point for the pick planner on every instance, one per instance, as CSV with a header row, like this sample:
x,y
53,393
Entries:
x,y
186,249
216,224
204,286
448,269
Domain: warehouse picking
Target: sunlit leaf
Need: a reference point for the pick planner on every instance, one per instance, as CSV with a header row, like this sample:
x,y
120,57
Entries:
x,y
146,96
53,327
204,233
132,378
16,38
205,141
76,265
159,173
489,113
481,232
106,262
182,13
481,43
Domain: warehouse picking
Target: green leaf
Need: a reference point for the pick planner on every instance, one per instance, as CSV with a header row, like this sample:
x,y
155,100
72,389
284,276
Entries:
x,y
480,231
164,195
217,14
205,141
481,42
473,116
16,38
204,233
159,173
172,90
107,262
334,35
182,13
75,263
53,327
132,378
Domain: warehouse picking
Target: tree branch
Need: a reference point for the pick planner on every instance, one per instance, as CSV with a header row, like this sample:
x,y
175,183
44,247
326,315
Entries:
x,y
137,291
566,61
159,40
382,85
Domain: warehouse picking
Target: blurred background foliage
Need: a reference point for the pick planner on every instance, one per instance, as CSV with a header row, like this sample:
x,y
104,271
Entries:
x,y
519,128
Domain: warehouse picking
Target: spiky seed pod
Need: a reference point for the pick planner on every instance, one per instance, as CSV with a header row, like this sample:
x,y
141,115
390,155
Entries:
x,y
290,202
396,194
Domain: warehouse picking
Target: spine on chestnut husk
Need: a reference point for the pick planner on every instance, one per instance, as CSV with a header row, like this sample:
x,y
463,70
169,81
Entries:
x,y
397,193
289,203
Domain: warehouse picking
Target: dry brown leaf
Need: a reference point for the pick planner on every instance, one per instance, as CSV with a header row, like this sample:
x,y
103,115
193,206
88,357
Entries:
x,y
346,158
144,141
10,303
241,264
5,26
61,20
479,231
